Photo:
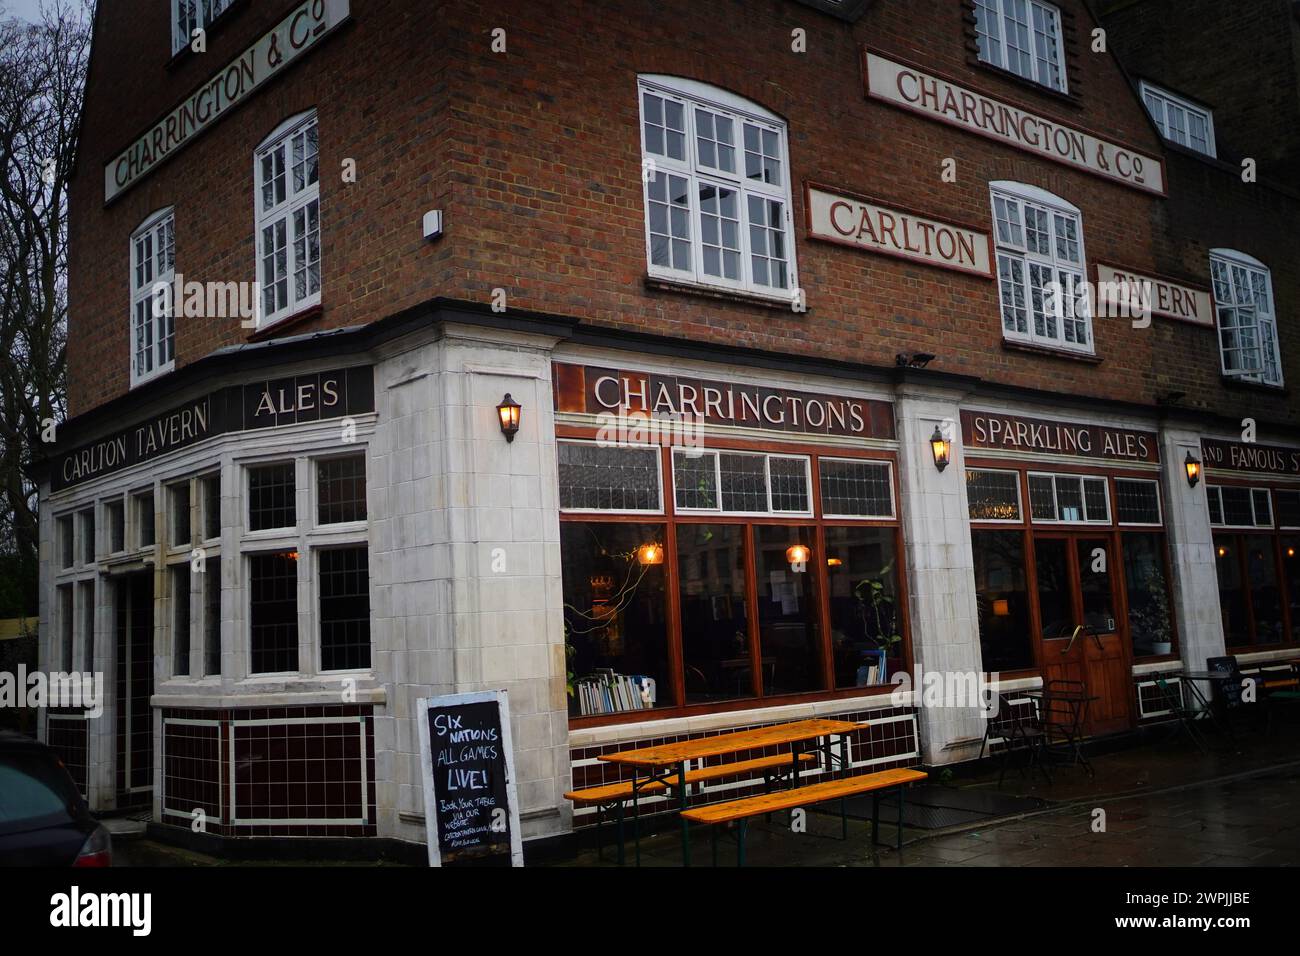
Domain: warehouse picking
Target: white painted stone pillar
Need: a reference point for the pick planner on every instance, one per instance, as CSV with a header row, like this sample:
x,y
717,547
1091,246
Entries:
x,y
940,569
1191,549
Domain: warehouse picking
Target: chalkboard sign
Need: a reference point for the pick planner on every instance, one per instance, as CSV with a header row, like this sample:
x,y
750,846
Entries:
x,y
471,812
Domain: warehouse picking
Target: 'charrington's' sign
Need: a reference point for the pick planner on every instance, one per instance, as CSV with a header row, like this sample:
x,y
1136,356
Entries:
x,y
596,391
939,99
234,83
319,396
1248,456
1043,436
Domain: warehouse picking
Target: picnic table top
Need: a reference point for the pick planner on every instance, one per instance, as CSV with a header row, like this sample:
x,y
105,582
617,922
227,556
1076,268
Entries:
x,y
664,755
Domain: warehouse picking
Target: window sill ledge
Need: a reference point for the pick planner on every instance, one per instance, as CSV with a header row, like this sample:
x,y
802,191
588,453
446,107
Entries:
x,y
1071,100
186,53
726,295
1046,352
1235,384
293,320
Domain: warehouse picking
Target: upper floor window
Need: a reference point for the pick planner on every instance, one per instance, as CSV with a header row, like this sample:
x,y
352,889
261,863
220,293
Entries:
x,y
717,189
153,323
288,219
1041,268
1024,37
191,15
1243,298
1180,120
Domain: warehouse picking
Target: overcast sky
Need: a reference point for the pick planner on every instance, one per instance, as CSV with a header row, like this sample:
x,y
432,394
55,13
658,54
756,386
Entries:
x,y
27,9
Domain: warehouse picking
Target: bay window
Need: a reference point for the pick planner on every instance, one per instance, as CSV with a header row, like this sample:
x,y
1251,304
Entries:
x,y
153,316
1041,269
1243,296
717,189
287,201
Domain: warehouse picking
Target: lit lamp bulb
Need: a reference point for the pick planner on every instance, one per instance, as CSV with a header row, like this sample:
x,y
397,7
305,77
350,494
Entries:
x,y
798,555
1193,470
941,448
650,554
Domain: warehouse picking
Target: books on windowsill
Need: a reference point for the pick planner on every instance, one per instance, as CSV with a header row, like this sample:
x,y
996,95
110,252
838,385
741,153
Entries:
x,y
606,692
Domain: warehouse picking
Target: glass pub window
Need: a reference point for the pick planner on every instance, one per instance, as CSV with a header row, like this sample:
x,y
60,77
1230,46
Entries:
x,y
87,519
212,617
180,588
288,219
210,489
1179,120
1233,506
344,608
271,493
66,626
993,495
852,488
153,316
1137,501
144,517
341,490
1068,498
86,601
1243,296
115,512
741,483
606,478
1022,36
191,15
273,612
1287,504
67,553
180,514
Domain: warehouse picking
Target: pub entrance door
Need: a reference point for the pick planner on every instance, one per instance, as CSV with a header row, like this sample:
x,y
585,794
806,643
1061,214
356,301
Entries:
x,y
133,686
1082,634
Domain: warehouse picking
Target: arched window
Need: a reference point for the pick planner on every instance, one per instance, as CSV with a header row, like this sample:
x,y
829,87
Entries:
x,y
153,320
287,212
1041,268
717,189
1247,318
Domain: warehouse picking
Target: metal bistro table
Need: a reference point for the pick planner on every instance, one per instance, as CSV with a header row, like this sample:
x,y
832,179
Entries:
x,y
1064,734
666,763
1191,680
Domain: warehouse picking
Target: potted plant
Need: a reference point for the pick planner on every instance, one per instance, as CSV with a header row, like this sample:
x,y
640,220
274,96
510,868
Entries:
x,y
1151,617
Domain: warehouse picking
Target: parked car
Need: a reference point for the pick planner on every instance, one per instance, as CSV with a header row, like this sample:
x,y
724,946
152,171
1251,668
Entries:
x,y
44,820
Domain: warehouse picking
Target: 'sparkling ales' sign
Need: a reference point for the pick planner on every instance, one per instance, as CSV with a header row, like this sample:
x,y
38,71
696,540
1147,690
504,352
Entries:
x,y
471,811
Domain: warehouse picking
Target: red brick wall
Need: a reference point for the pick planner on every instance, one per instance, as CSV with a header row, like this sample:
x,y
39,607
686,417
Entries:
x,y
534,156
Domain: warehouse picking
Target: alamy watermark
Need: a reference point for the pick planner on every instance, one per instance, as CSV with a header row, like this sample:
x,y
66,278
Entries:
x,y
37,689
208,300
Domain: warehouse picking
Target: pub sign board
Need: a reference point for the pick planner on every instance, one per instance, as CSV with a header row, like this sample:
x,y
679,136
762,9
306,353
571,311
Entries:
x,y
1017,433
591,390
1250,457
295,399
471,805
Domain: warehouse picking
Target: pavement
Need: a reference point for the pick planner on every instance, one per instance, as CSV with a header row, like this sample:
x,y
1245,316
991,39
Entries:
x,y
1154,800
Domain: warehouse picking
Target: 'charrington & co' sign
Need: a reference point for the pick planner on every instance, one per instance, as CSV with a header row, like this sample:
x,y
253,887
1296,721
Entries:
x,y
1248,456
1043,436
234,83
942,100
596,391
318,396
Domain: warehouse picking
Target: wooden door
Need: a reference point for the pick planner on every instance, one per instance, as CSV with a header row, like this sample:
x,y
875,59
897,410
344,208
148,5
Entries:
x,y
1076,587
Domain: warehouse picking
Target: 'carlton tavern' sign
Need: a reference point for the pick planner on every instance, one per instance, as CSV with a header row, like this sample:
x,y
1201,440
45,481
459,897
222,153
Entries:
x,y
947,102
596,391
318,396
1016,433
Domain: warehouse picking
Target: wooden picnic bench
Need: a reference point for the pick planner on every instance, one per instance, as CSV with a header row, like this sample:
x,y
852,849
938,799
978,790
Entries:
x,y
615,796
740,811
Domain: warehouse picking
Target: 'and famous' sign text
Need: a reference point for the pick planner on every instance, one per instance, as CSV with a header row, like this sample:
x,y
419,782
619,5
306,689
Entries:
x,y
598,391
317,396
1040,436
937,98
233,84
470,806
892,232
1247,456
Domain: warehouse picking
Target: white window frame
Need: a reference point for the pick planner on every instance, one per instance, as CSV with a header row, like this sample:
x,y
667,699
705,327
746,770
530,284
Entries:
x,y
1266,368
993,20
153,270
1216,491
1020,498
286,210
889,470
1165,107
1015,255
693,96
659,483
190,15
1106,522
1160,505
767,478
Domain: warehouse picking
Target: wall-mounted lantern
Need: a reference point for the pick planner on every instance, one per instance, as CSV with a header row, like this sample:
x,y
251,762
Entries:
x,y
941,448
1193,467
508,412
